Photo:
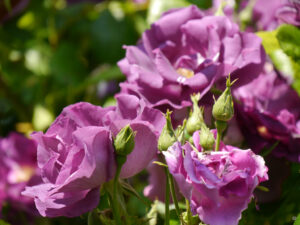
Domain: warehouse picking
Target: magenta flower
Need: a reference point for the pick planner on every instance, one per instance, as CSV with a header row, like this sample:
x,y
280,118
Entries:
x,y
290,13
266,19
18,168
76,154
148,124
219,184
268,112
185,52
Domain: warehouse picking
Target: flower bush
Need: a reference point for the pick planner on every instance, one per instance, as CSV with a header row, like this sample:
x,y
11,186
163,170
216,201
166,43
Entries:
x,y
203,129
186,52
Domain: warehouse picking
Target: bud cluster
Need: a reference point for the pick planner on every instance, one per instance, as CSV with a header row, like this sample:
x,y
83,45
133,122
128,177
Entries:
x,y
222,112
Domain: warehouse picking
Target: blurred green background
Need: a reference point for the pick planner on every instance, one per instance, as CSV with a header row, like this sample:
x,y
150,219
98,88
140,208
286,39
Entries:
x,y
56,52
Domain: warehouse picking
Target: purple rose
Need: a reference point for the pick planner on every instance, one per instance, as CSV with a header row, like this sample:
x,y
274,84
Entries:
x,y
219,184
268,112
290,13
186,52
76,154
266,19
286,11
279,11
18,168
146,121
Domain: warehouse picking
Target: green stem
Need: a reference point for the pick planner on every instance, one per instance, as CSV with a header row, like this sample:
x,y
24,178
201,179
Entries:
x,y
219,134
188,211
173,193
221,126
115,197
167,199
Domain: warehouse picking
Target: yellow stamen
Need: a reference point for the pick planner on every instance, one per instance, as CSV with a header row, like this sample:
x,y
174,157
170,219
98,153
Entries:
x,y
263,131
185,72
21,174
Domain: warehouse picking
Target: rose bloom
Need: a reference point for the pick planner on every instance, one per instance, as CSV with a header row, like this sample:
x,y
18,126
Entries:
x,y
76,154
18,168
279,11
219,185
266,19
290,13
268,113
185,52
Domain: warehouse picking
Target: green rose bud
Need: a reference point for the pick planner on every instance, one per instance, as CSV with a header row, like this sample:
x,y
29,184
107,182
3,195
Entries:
x,y
167,137
207,139
180,132
195,120
193,219
124,141
223,107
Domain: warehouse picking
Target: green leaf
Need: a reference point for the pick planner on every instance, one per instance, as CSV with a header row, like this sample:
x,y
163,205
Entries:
x,y
282,62
280,59
203,4
129,189
269,40
288,37
262,188
160,164
297,221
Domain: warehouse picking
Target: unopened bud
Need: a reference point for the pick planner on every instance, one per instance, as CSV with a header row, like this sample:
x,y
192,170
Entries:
x,y
179,132
167,137
124,141
195,120
223,107
207,140
192,220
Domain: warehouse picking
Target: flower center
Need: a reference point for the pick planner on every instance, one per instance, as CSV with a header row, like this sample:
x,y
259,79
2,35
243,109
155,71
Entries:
x,y
263,131
20,174
185,72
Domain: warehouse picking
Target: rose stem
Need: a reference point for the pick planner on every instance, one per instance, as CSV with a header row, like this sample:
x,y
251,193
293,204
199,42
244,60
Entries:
x,y
221,126
188,211
115,197
167,199
174,197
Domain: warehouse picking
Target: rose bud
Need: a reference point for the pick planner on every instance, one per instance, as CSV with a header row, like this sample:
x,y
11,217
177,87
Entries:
x,y
207,140
167,137
195,120
223,107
